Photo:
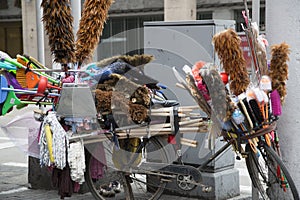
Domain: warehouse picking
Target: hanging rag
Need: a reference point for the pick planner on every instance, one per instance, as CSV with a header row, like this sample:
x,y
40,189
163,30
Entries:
x,y
60,142
76,161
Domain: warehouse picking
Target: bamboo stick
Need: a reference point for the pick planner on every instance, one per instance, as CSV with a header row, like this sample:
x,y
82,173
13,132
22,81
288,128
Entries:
x,y
180,86
180,109
189,141
188,144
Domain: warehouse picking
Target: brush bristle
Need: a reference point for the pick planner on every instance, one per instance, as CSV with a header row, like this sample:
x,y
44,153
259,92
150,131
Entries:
x,y
227,46
58,22
279,68
94,15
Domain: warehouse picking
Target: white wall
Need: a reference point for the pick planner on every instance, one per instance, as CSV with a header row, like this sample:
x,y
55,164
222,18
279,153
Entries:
x,y
286,27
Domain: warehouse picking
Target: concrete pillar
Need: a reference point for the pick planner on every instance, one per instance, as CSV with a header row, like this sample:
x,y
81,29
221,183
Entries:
x,y
40,32
76,13
255,11
279,28
30,40
175,10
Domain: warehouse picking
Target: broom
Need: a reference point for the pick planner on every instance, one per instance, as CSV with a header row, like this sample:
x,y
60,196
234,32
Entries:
x,y
94,15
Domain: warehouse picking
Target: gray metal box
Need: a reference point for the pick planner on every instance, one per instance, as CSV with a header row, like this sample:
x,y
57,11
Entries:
x,y
178,44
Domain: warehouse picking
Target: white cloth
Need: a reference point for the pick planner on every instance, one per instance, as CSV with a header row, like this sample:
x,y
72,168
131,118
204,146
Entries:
x,y
60,142
76,160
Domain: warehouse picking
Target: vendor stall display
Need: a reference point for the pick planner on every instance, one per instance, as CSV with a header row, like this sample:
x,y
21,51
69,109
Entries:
x,y
113,105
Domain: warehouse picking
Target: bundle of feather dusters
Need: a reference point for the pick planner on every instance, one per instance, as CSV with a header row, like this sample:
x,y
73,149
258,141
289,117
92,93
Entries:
x,y
58,25
120,94
279,68
227,46
94,15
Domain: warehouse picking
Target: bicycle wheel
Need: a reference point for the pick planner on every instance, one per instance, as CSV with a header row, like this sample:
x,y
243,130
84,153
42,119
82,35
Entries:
x,y
102,178
106,171
269,174
146,186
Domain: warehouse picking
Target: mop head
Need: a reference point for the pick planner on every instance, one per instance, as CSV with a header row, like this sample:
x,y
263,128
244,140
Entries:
x,y
58,21
279,68
94,15
227,46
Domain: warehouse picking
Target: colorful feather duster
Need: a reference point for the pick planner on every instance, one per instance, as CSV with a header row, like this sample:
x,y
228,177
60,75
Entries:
x,y
279,68
227,46
94,15
58,21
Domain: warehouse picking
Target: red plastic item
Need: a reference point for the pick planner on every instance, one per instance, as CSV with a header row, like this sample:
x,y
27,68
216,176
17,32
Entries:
x,y
224,77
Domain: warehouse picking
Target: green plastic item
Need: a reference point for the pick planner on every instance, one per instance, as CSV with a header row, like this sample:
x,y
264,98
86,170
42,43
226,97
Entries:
x,y
13,100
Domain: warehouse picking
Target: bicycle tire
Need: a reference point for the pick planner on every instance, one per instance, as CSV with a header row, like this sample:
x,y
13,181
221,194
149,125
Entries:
x,y
100,185
134,183
265,179
143,185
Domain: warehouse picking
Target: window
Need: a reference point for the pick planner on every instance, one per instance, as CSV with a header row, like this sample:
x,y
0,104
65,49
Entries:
x,y
11,40
3,4
124,35
204,15
238,17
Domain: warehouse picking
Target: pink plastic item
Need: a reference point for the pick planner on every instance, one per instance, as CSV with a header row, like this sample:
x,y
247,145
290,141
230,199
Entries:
x,y
276,104
69,79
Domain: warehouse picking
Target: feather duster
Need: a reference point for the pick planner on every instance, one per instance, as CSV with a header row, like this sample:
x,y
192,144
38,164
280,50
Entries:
x,y
227,46
221,105
122,94
199,98
94,15
58,22
279,68
135,60
260,50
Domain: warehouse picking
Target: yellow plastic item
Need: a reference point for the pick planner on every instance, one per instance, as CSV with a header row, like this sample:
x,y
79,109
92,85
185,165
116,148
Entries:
x,y
128,146
49,142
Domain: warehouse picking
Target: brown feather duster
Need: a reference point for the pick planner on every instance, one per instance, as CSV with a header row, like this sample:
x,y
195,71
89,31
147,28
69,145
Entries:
x,y
227,46
135,60
94,15
58,22
119,93
279,68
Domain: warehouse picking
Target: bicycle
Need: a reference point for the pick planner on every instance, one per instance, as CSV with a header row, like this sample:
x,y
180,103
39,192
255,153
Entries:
x,y
138,165
141,167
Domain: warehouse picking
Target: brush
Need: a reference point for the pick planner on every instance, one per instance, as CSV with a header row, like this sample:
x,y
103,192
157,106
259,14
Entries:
x,y
227,46
58,22
279,68
94,15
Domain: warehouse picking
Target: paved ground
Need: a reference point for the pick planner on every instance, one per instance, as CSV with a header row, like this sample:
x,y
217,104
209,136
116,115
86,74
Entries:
x,y
14,172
